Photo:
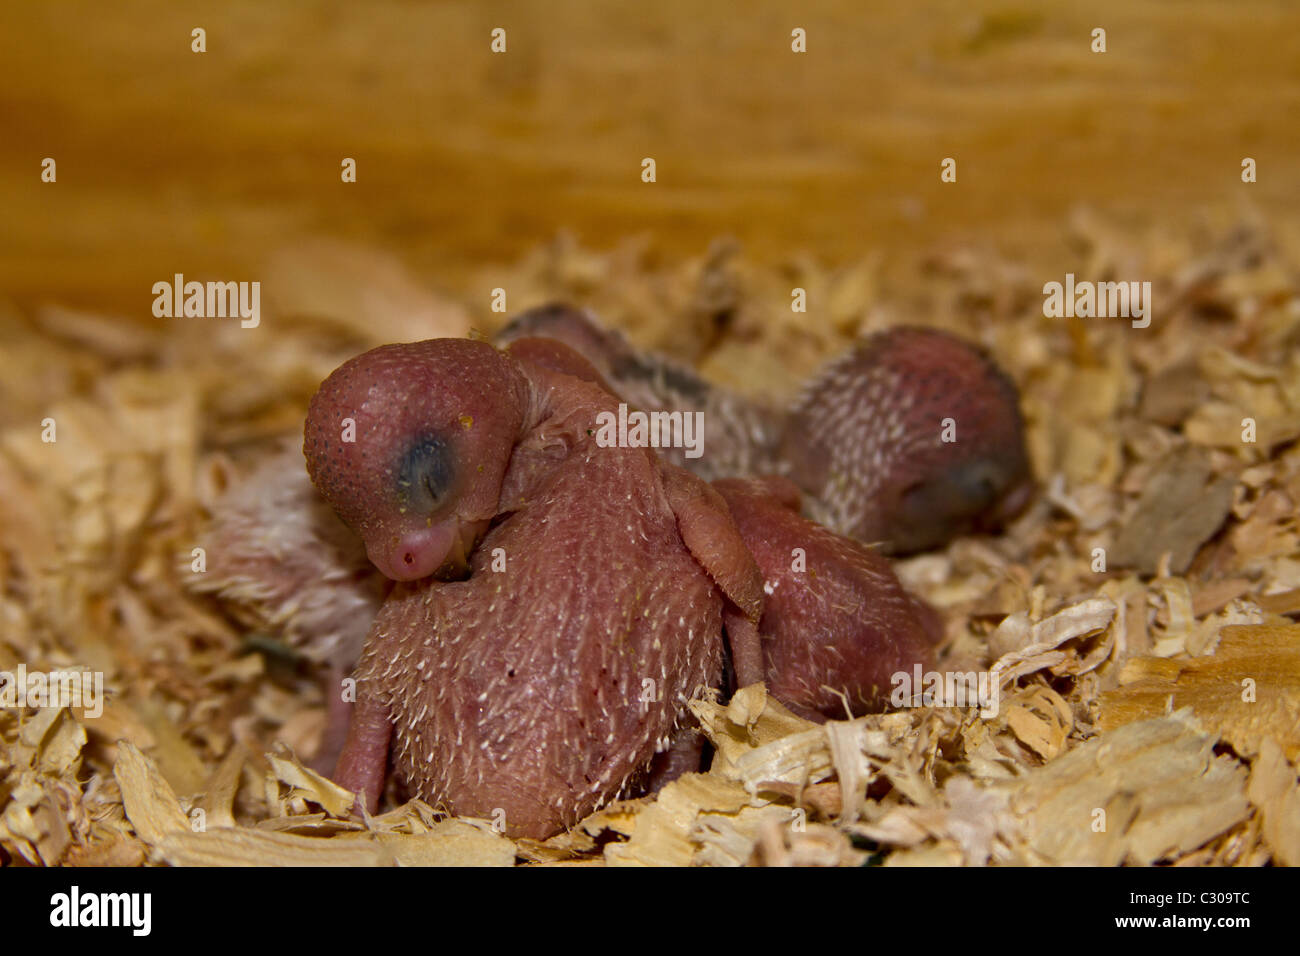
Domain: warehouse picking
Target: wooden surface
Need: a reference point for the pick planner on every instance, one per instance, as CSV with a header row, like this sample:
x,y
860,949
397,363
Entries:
x,y
202,163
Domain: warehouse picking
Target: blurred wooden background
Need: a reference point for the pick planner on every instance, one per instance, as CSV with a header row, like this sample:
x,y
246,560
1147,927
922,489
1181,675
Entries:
x,y
170,161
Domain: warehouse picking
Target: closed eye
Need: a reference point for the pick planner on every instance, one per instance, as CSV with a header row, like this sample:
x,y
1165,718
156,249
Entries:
x,y
424,474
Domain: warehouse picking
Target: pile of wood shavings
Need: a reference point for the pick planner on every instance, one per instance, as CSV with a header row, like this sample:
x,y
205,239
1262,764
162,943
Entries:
x,y
1150,712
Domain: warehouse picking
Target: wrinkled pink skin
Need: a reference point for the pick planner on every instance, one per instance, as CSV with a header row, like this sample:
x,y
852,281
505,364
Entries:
x,y
836,622
371,413
542,682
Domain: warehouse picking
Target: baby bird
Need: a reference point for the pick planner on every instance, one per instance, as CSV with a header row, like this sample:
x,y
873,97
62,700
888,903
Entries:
x,y
907,441
836,622
911,439
533,688
599,578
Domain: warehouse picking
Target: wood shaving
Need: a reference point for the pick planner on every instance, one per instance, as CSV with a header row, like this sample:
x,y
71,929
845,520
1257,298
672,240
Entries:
x,y
1248,691
1138,616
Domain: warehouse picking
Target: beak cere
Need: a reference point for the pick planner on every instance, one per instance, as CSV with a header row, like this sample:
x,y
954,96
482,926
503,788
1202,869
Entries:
x,y
442,550
416,554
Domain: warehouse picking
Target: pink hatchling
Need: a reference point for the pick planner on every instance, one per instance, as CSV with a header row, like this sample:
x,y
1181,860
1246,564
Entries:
x,y
597,577
837,623
906,441
579,593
